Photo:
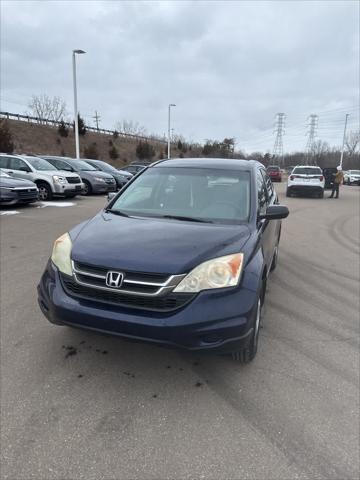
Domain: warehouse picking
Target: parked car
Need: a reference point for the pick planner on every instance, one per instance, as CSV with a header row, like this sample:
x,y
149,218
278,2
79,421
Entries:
x,y
329,175
121,177
50,182
94,180
274,173
180,256
134,168
352,177
16,190
306,180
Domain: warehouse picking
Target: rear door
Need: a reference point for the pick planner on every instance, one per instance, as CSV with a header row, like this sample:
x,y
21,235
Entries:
x,y
19,168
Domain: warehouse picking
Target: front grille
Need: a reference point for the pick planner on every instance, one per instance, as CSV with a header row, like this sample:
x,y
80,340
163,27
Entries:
x,y
139,276
172,301
27,194
73,179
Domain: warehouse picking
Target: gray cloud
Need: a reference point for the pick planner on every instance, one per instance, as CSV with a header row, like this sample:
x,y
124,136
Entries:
x,y
229,66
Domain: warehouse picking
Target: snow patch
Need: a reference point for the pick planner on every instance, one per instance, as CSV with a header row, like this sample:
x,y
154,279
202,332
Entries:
x,y
56,204
9,212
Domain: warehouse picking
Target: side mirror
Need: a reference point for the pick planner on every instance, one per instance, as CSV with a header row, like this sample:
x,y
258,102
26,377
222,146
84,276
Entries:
x,y
111,195
275,212
25,169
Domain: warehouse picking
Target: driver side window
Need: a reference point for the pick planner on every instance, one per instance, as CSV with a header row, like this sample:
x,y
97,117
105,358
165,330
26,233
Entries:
x,y
261,190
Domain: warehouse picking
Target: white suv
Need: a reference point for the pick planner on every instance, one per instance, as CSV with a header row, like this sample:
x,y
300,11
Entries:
x,y
352,177
306,179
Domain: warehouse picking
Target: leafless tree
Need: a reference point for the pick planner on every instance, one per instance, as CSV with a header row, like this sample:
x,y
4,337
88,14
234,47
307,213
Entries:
x,y
47,108
130,127
352,142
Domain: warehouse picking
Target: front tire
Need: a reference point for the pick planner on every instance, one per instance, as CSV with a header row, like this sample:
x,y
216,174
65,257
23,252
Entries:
x,y
288,193
45,192
87,188
248,353
321,194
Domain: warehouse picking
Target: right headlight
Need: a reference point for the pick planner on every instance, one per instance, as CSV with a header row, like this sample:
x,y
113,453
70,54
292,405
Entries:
x,y
61,254
221,272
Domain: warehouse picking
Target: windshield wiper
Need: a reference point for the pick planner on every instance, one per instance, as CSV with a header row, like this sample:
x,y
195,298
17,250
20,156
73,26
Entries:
x,y
188,219
116,212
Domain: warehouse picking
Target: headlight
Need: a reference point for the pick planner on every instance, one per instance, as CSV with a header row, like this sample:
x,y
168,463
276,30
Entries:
x,y
58,179
219,272
61,254
99,179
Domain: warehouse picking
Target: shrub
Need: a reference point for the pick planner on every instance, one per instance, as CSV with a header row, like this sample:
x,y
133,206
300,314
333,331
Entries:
x,y
145,151
91,151
62,129
113,153
81,125
6,138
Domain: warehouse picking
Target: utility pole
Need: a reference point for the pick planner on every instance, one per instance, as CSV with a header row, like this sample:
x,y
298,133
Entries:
x,y
169,123
343,144
97,119
313,124
76,118
278,145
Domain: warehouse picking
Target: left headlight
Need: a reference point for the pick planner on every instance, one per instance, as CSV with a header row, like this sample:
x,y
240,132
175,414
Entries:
x,y
221,272
61,254
58,179
99,179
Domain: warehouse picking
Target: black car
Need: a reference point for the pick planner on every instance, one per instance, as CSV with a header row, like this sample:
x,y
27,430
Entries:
x,y
16,190
181,256
329,175
121,177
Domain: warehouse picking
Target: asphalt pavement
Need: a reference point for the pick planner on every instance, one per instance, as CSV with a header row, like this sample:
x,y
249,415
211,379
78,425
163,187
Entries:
x,y
121,410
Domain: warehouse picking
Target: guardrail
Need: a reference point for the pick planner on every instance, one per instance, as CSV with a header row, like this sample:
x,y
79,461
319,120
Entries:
x,y
55,123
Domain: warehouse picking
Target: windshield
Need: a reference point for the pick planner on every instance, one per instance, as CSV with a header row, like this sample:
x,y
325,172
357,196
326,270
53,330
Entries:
x,y
307,171
354,172
220,196
106,167
40,163
83,166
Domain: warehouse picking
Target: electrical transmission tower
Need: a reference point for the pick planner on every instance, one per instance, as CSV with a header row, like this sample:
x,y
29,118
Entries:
x,y
311,133
278,152
96,118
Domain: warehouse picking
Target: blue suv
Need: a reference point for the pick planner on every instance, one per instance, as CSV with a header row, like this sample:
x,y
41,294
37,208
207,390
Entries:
x,y
180,257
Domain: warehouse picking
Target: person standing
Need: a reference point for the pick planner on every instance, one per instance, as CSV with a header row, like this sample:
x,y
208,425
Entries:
x,y
339,177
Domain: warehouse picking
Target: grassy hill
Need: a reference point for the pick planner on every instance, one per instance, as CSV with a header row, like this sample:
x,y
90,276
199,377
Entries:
x,y
33,138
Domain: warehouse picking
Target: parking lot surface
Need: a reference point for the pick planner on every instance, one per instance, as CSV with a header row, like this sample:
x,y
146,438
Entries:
x,y
121,410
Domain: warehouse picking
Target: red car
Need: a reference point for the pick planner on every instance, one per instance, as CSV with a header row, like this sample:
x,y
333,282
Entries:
x,y
274,173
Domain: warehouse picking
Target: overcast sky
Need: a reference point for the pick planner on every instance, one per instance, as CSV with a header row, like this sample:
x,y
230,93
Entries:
x,y
228,66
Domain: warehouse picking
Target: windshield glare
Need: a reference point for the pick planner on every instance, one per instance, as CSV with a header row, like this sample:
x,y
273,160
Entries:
x,y
40,163
307,171
213,195
83,166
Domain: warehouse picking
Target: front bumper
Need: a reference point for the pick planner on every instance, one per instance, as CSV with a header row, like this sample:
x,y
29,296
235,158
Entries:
x,y
100,187
12,197
218,320
68,189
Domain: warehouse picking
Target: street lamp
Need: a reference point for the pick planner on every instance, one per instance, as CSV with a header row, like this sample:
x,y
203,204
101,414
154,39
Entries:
x,y
170,105
344,138
76,52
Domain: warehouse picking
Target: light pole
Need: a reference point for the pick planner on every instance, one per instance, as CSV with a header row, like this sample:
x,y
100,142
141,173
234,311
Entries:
x,y
79,52
343,144
170,105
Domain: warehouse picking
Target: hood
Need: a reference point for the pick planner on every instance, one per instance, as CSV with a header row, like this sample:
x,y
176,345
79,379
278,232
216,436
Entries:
x,y
16,183
153,245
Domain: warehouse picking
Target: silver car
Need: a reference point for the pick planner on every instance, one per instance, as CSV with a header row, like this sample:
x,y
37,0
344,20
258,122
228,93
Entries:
x,y
50,181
